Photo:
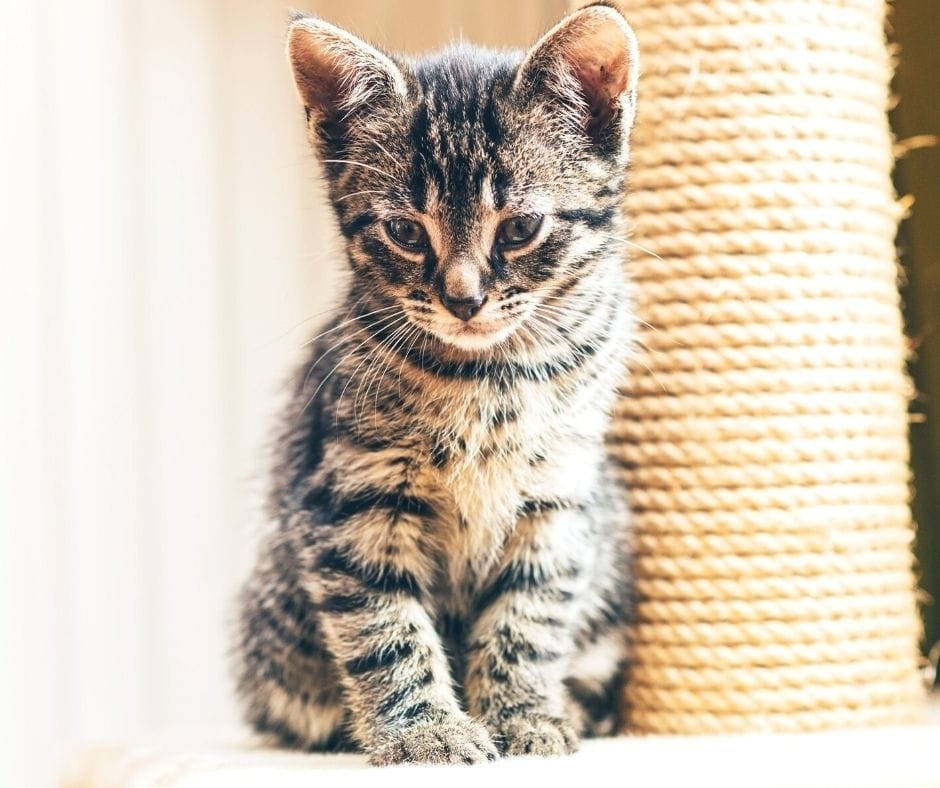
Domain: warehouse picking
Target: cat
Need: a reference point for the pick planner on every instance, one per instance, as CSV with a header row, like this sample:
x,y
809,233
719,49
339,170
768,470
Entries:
x,y
448,574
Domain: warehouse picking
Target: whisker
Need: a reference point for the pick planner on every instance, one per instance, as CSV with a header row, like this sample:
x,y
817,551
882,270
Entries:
x,y
655,330
336,366
382,148
377,355
347,322
418,331
388,352
395,348
395,327
635,245
316,361
358,164
652,374
265,344
355,194
325,379
314,316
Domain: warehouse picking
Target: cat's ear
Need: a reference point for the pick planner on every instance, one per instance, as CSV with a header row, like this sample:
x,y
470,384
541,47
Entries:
x,y
588,65
337,74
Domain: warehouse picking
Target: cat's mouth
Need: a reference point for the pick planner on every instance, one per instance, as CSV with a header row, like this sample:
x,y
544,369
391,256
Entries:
x,y
479,333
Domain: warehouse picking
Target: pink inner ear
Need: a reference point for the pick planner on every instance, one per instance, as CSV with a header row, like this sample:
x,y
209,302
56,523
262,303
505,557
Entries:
x,y
602,67
318,74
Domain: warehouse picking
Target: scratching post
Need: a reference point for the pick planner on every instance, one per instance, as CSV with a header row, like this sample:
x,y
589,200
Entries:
x,y
763,435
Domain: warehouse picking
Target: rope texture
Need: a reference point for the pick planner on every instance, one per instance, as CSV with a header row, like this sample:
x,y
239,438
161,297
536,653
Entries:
x,y
763,433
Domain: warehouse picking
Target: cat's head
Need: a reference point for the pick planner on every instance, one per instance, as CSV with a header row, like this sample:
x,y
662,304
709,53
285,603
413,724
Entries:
x,y
473,187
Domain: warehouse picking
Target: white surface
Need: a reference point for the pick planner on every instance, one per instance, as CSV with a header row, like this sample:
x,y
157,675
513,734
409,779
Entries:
x,y
875,758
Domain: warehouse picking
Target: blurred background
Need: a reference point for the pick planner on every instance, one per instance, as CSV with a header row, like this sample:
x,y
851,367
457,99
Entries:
x,y
914,28
165,252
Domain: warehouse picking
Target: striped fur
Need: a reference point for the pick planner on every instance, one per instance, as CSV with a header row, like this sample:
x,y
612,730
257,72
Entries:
x,y
448,576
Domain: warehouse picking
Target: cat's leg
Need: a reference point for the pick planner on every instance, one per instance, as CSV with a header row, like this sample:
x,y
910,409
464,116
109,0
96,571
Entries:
x,y
285,677
367,577
595,682
596,672
522,640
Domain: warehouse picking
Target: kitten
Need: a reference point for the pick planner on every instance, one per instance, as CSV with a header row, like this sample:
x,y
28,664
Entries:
x,y
449,575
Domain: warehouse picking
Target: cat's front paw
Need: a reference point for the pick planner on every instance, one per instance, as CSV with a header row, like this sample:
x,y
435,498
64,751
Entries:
x,y
454,740
534,734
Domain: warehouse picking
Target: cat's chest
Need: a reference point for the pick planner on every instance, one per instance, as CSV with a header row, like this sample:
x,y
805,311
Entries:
x,y
523,448
499,450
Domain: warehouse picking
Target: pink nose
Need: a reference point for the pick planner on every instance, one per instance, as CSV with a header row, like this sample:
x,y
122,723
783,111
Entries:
x,y
464,308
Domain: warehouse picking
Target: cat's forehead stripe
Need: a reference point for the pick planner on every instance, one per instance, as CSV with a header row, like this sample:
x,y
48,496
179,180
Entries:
x,y
456,134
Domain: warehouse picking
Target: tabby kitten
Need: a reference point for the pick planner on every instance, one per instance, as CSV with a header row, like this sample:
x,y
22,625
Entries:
x,y
448,578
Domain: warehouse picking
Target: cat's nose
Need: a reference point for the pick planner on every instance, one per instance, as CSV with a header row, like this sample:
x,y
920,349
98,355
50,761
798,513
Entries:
x,y
464,308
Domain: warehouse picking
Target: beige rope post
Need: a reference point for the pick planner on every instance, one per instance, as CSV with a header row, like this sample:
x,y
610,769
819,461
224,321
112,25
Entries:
x,y
763,435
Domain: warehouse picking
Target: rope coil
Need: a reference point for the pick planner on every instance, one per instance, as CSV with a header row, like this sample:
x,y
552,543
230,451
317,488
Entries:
x,y
763,431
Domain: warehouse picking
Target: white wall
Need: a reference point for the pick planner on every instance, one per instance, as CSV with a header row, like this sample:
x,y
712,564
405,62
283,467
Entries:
x,y
164,252
161,238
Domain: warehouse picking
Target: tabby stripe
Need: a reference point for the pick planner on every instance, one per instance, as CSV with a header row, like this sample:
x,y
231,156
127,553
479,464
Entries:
x,y
503,416
519,577
376,253
595,219
538,458
339,511
516,650
423,167
335,742
268,667
430,265
516,710
385,580
612,189
357,224
317,498
383,657
286,737
608,614
587,263
599,699
493,136
400,695
500,373
528,508
344,603
286,635
375,499
497,672
498,263
544,262
273,671
546,621
415,711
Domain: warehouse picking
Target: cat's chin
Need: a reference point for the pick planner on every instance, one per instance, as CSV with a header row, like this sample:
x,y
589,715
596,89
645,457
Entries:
x,y
475,339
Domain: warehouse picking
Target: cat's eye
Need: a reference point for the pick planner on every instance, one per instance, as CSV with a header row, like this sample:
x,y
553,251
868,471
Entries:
x,y
407,234
518,230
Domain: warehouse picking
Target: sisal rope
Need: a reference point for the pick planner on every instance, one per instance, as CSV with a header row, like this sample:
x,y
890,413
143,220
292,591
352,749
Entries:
x,y
763,434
